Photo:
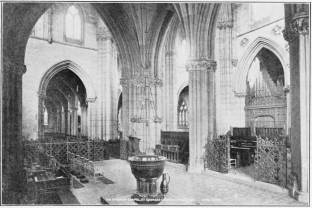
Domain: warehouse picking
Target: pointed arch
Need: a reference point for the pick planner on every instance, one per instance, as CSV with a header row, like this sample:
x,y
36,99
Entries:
x,y
248,57
67,64
185,84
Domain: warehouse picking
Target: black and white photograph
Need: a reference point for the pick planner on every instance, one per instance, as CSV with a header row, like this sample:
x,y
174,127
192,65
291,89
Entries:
x,y
182,103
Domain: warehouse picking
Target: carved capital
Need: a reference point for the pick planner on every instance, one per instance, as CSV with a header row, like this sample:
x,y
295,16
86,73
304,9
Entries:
x,y
84,105
90,100
240,94
169,53
287,88
298,26
225,24
141,81
103,34
41,96
124,82
15,68
201,64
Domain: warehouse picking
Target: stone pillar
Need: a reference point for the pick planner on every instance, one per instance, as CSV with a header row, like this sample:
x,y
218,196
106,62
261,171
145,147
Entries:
x,y
125,111
106,97
288,110
226,112
84,119
202,120
66,121
63,122
12,164
41,102
74,121
69,121
297,34
91,117
170,95
58,120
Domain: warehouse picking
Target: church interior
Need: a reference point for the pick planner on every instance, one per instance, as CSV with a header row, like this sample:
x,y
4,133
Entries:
x,y
155,103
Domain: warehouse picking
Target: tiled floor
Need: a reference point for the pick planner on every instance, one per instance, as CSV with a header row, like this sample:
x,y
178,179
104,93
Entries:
x,y
185,188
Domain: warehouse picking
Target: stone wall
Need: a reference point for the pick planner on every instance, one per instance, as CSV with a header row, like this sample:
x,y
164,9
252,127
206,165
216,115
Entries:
x,y
233,42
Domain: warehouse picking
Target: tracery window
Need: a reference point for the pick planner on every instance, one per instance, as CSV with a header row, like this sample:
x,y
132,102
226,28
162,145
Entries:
x,y
182,115
73,25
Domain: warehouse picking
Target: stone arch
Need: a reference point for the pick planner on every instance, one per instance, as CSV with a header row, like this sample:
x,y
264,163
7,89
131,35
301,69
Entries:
x,y
67,64
250,54
185,84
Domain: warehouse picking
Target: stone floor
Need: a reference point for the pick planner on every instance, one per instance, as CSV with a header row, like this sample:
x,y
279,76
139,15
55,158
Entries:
x,y
207,188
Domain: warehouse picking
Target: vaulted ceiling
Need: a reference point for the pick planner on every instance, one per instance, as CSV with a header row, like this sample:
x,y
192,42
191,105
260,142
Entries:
x,y
138,29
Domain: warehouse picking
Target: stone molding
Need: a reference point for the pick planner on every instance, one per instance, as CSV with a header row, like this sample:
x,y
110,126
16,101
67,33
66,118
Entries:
x,y
141,81
244,42
287,47
277,30
15,68
103,34
225,24
298,26
90,100
234,62
201,65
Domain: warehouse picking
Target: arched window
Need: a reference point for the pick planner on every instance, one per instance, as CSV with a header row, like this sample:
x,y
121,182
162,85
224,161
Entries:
x,y
73,25
182,115
45,117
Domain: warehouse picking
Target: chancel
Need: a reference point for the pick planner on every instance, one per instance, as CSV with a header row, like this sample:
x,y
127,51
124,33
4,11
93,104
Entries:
x,y
155,103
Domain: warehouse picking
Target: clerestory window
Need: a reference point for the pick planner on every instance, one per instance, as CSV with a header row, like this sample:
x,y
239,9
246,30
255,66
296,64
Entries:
x,y
73,25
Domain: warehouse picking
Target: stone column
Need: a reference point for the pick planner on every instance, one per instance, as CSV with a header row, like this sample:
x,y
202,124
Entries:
x,y
170,110
297,34
63,122
202,120
288,110
66,121
226,112
69,121
58,120
74,121
91,117
125,111
84,119
41,101
106,97
12,164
